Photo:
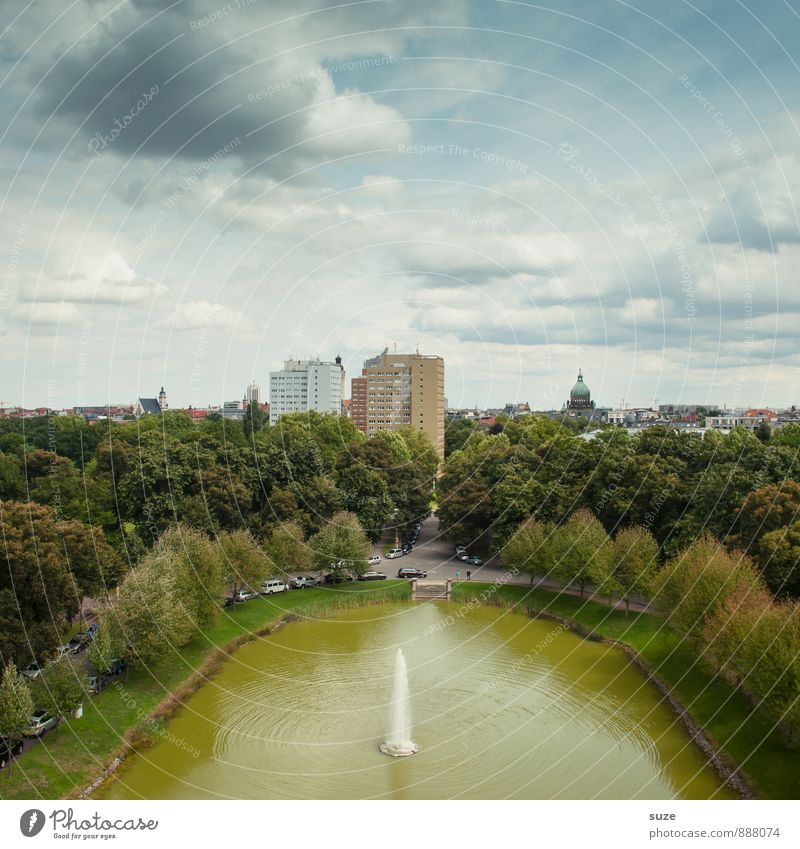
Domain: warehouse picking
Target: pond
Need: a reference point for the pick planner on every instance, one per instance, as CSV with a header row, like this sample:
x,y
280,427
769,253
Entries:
x,y
503,707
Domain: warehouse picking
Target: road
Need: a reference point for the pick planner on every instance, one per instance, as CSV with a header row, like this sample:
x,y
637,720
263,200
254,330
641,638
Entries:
x,y
436,555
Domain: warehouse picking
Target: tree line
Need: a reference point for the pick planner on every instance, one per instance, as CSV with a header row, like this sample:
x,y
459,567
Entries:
x,y
676,484
82,506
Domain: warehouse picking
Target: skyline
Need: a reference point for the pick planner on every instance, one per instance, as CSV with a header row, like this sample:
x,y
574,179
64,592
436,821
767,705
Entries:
x,y
192,197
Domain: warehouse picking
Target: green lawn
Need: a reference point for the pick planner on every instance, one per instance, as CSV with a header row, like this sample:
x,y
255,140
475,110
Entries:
x,y
57,768
727,717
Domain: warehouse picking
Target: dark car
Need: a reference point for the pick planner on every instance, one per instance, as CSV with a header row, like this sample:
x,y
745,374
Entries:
x,y
78,643
116,667
411,572
372,576
407,548
341,578
9,748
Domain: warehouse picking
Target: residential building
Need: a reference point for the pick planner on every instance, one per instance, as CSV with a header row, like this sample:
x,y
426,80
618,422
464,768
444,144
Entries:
x,y
403,390
752,423
303,385
253,393
358,402
234,409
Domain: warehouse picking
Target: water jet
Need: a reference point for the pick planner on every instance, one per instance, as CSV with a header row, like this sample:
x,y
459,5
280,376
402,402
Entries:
x,y
398,742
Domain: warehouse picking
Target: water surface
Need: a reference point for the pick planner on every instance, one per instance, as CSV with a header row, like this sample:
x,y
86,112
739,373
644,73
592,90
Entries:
x,y
503,706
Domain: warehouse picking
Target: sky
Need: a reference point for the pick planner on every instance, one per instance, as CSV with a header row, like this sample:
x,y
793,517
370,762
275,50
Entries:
x,y
192,192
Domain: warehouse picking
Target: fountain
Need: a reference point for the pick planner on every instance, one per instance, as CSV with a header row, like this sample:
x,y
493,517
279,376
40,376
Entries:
x,y
399,743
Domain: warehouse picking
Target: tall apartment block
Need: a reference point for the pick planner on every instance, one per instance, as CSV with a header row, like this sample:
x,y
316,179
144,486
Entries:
x,y
303,385
401,390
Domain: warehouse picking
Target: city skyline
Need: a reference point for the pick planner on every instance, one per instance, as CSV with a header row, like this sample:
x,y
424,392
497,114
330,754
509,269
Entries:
x,y
465,179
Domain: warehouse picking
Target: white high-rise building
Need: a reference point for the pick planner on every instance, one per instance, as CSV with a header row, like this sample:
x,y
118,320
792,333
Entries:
x,y
253,394
303,385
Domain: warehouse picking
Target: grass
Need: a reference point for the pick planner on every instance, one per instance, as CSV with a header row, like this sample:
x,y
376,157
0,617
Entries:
x,y
744,733
112,721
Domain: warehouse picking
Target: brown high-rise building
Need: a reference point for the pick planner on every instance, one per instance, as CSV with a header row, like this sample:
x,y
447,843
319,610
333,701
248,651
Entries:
x,y
402,390
358,402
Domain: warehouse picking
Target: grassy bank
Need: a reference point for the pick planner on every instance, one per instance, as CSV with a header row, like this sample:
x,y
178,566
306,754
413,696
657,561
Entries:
x,y
55,769
742,732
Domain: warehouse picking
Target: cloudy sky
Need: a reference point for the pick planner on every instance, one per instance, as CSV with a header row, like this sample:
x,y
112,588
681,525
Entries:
x,y
193,191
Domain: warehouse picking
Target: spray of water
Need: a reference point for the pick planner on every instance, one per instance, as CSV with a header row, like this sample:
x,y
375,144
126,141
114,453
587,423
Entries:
x,y
398,742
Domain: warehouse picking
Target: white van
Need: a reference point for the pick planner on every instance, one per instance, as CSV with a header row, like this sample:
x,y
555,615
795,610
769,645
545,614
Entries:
x,y
270,587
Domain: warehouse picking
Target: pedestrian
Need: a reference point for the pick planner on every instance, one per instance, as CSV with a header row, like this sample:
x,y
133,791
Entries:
x,y
469,575
458,574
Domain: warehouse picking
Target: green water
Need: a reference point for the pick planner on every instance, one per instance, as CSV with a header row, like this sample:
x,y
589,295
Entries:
x,y
503,706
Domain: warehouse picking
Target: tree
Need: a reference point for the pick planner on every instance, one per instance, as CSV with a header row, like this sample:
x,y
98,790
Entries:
x,y
64,687
39,596
223,503
16,703
529,550
582,551
365,493
634,559
105,646
254,419
696,582
198,573
288,550
457,433
766,509
341,545
779,555
143,617
244,563
465,510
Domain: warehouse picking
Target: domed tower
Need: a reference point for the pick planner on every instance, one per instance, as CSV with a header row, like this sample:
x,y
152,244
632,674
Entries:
x,y
162,400
580,399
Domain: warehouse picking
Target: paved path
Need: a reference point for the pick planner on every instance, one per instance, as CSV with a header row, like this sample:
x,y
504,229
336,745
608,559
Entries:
x,y
436,555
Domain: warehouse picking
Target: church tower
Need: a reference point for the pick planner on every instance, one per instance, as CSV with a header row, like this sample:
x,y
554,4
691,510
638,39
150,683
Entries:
x,y
162,400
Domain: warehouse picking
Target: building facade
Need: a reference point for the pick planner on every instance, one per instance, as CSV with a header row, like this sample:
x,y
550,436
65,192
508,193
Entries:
x,y
358,402
580,399
303,385
401,390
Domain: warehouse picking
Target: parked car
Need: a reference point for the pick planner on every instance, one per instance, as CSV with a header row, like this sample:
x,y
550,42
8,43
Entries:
x,y
407,548
395,552
78,643
301,582
338,578
40,722
471,560
64,650
32,670
270,587
246,595
98,683
372,576
9,748
116,667
411,572
374,560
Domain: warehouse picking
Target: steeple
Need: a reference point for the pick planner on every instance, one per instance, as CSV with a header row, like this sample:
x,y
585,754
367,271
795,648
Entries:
x,y
162,400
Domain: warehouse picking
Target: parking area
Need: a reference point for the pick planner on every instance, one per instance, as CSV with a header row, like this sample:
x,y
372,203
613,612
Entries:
x,y
435,555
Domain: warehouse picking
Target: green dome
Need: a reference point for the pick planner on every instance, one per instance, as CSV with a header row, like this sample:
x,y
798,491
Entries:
x,y
580,389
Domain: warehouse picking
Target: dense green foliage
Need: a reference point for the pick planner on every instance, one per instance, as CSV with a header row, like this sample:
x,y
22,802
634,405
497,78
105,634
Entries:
x,y
81,504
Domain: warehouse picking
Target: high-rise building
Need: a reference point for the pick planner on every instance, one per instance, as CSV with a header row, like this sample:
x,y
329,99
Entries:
x,y
402,390
303,385
253,393
358,402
